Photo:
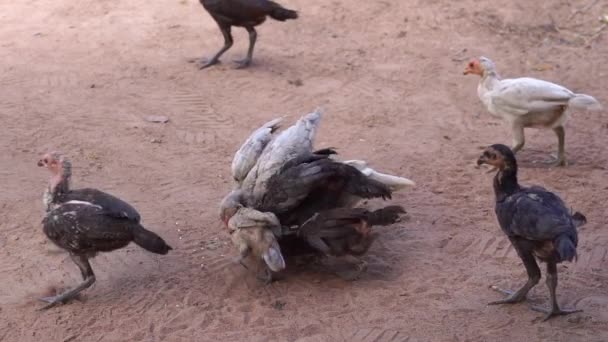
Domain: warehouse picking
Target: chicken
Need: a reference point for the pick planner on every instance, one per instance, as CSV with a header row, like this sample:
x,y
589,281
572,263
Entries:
x,y
346,231
537,223
242,13
528,102
87,221
253,233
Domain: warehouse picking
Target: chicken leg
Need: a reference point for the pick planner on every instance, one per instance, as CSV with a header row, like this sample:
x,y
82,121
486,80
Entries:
x,y
243,63
561,146
552,285
228,41
88,279
524,249
266,277
519,139
244,251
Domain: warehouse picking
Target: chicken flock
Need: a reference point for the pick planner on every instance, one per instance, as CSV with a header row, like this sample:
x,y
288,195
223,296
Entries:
x,y
290,195
284,186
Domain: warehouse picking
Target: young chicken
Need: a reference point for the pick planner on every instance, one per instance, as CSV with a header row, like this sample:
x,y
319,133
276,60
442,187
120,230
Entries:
x,y
87,221
528,102
537,223
347,232
253,233
243,13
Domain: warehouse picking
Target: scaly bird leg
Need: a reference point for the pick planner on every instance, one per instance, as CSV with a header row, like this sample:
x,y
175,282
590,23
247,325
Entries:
x,y
533,279
552,285
243,254
266,278
87,275
519,139
228,41
252,38
360,267
561,146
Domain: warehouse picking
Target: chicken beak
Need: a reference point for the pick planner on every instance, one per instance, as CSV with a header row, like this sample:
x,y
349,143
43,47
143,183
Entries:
x,y
481,160
467,71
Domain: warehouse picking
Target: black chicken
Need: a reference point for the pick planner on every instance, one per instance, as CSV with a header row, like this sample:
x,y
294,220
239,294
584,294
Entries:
x,y
537,223
243,13
87,221
346,231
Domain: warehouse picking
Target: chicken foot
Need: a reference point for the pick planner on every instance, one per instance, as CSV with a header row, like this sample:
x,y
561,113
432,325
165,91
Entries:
x,y
561,146
359,265
243,63
533,279
88,276
228,41
519,141
554,310
266,277
243,254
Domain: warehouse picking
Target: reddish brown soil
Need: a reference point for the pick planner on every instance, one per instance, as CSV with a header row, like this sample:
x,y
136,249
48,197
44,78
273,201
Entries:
x,y
81,76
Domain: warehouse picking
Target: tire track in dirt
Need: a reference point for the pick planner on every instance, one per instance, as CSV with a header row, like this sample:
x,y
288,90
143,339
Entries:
x,y
378,335
199,123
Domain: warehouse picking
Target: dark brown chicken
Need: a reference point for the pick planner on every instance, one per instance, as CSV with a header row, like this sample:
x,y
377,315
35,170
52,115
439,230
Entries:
x,y
242,13
346,231
87,221
537,223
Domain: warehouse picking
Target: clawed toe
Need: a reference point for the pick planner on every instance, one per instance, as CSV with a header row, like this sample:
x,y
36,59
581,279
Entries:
x,y
204,62
503,291
242,63
512,297
47,299
555,161
550,313
51,302
208,64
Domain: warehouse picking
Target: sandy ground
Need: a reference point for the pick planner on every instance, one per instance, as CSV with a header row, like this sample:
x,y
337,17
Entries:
x,y
81,77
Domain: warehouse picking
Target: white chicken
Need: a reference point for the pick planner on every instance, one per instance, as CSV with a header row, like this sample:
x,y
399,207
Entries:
x,y
528,102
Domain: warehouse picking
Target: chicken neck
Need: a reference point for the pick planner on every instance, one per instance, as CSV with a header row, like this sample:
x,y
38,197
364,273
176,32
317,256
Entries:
x,y
505,181
58,184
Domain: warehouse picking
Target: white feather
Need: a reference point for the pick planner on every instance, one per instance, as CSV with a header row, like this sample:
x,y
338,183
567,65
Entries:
x,y
248,154
394,182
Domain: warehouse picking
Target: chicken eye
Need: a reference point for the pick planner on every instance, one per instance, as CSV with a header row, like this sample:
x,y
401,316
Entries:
x,y
471,64
45,160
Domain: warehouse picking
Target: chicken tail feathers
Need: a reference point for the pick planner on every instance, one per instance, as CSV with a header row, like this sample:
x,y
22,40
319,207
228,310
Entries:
x,y
584,102
280,13
565,248
326,151
386,216
150,241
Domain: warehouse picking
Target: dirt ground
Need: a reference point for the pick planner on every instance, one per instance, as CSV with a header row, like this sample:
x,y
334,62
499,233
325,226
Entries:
x,y
81,78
